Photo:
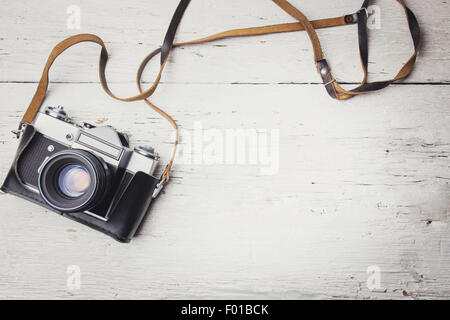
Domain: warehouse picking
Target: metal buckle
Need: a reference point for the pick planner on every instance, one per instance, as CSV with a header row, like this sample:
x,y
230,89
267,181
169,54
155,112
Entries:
x,y
159,187
365,9
19,130
324,70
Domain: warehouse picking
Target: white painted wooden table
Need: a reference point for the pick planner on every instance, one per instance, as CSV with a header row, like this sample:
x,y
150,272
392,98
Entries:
x,y
361,185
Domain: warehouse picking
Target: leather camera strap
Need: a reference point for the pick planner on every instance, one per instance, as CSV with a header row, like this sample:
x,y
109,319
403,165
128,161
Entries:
x,y
303,24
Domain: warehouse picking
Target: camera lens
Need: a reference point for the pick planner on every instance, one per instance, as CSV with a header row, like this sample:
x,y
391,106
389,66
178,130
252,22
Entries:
x,y
73,180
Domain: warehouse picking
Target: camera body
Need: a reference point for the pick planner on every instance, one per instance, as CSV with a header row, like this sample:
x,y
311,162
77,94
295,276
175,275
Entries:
x,y
84,172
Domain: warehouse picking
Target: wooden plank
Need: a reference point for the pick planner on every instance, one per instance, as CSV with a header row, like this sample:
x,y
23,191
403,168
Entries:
x,y
360,183
133,29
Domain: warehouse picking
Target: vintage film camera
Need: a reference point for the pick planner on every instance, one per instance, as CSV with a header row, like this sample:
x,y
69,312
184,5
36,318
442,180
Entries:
x,y
85,172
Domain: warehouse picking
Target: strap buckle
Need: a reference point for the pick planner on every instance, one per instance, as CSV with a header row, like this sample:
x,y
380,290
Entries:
x,y
327,78
363,9
19,130
324,70
160,186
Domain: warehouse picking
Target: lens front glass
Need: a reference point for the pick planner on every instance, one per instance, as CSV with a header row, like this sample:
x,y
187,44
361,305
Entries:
x,y
74,180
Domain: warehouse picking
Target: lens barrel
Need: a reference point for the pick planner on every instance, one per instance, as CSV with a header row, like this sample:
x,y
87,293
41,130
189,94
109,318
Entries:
x,y
73,180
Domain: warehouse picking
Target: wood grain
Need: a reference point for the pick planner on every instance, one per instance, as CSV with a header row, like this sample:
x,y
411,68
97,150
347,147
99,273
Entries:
x,y
360,183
